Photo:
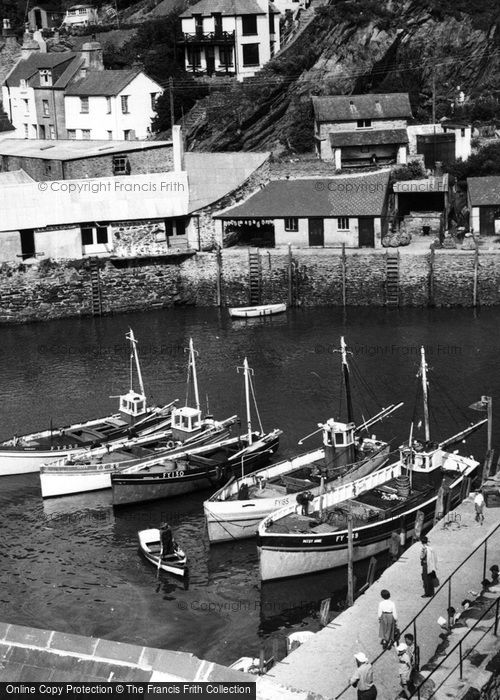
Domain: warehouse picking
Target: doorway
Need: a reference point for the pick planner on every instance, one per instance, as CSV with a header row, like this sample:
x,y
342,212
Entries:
x,y
366,232
316,232
27,244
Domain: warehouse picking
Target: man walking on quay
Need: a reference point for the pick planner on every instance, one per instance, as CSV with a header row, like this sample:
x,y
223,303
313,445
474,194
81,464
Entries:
x,y
428,560
479,507
362,679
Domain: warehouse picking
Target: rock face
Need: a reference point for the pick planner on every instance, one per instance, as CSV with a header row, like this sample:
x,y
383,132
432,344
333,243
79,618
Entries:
x,y
356,46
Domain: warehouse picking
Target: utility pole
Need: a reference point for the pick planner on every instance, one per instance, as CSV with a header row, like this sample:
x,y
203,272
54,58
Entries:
x,y
171,94
434,106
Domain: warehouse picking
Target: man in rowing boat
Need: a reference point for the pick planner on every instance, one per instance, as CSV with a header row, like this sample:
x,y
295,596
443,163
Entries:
x,y
167,541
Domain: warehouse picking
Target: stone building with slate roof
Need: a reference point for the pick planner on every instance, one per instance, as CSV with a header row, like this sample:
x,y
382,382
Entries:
x,y
229,37
362,129
313,212
483,195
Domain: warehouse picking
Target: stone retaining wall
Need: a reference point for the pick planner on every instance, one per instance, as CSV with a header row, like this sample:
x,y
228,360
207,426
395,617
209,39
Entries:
x,y
57,290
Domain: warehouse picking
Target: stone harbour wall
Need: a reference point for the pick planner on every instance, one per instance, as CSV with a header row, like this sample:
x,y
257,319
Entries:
x,y
62,289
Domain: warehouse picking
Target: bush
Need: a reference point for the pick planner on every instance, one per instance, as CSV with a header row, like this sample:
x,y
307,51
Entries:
x,y
414,170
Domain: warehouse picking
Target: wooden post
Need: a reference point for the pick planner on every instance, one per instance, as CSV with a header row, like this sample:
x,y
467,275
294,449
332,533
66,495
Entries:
x,y
350,559
439,510
344,271
394,545
419,523
290,276
431,278
476,274
218,258
324,612
171,94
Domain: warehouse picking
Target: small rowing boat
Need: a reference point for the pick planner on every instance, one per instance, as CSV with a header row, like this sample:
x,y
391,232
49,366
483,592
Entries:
x,y
257,311
150,546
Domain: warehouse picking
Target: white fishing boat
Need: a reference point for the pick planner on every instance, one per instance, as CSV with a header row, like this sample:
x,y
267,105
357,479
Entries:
x,y
207,467
150,547
26,453
91,470
426,479
256,311
235,511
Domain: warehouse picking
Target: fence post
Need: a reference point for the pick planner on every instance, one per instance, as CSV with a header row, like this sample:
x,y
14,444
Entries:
x,y
485,558
461,660
496,617
449,592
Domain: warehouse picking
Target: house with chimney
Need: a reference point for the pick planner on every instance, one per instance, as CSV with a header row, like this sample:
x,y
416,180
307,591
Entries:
x,y
80,16
69,95
361,130
229,37
45,16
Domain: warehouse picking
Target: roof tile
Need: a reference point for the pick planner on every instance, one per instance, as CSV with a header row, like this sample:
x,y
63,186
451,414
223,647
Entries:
x,y
484,191
207,8
108,82
394,105
375,137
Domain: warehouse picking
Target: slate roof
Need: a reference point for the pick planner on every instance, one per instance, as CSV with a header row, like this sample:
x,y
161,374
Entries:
x,y
64,66
376,137
484,191
342,108
212,176
207,8
68,149
107,82
359,195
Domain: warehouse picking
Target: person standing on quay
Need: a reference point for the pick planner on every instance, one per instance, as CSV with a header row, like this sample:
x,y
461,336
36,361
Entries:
x,y
362,680
387,618
404,669
479,507
428,560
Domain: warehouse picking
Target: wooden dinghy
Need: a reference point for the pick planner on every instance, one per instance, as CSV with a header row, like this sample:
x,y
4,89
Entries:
x,y
256,311
149,545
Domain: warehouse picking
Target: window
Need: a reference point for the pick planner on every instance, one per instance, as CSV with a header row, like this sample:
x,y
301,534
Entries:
x,y
462,132
26,132
127,135
84,105
175,227
271,23
194,56
124,101
86,134
45,108
217,23
71,134
198,24
364,123
292,224
41,131
26,107
94,234
35,131
249,25
121,165
343,223
45,77
110,135
153,100
52,131
23,83
108,105
48,168
226,55
101,234
87,235
250,54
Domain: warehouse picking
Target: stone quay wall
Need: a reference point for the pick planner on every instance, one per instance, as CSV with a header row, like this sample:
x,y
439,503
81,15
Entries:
x,y
320,277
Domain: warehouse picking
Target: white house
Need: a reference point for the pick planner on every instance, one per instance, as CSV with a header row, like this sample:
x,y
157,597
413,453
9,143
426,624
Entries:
x,y
229,37
111,104
80,16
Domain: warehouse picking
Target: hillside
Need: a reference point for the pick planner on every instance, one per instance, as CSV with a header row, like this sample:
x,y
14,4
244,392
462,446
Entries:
x,y
359,46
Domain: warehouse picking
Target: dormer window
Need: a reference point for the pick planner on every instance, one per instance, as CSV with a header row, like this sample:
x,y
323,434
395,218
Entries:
x,y
23,83
46,77
364,124
84,105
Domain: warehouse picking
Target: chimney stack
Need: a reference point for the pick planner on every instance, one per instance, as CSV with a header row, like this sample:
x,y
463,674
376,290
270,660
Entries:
x,y
8,35
92,55
178,148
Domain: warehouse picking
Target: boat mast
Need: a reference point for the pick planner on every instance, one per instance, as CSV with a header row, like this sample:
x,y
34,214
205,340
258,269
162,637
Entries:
x,y
345,369
425,393
246,373
192,365
134,358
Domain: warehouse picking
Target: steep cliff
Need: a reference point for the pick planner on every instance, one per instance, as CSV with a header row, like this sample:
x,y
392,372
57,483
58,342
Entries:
x,y
355,46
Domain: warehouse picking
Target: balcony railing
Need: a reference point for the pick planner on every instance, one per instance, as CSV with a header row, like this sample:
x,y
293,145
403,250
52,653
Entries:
x,y
207,38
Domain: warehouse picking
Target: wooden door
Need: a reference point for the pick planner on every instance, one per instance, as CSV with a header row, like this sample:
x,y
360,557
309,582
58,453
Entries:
x,y
366,232
316,232
487,221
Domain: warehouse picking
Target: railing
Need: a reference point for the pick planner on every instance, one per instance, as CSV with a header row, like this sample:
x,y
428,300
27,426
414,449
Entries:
x,y
412,625
215,37
495,604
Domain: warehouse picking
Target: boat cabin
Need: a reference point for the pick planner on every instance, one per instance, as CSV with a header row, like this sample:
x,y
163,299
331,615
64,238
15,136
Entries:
x,y
338,439
132,406
186,421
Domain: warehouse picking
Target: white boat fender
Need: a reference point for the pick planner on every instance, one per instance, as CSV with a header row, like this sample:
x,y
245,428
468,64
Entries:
x,y
170,444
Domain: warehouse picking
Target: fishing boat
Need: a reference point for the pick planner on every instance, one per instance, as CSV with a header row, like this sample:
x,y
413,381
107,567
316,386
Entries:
x,y
150,547
406,496
91,470
209,466
256,311
234,512
25,454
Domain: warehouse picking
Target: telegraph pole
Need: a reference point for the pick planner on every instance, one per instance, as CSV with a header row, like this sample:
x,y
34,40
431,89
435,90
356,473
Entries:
x,y
171,94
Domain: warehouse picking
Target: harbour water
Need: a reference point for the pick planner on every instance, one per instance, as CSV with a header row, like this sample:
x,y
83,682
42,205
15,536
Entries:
x,y
71,564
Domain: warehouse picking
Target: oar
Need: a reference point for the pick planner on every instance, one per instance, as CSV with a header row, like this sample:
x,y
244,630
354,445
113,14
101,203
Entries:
x,y
159,561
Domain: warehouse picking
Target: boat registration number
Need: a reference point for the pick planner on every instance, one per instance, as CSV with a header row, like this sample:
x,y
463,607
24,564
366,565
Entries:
x,y
280,502
170,475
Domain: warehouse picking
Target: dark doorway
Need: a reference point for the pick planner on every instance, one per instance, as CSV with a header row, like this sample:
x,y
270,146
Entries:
x,y
487,221
366,232
436,147
38,19
316,232
27,244
210,56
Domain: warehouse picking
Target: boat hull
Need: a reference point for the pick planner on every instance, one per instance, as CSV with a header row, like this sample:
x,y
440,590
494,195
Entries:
x,y
26,461
54,484
234,520
297,555
257,311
